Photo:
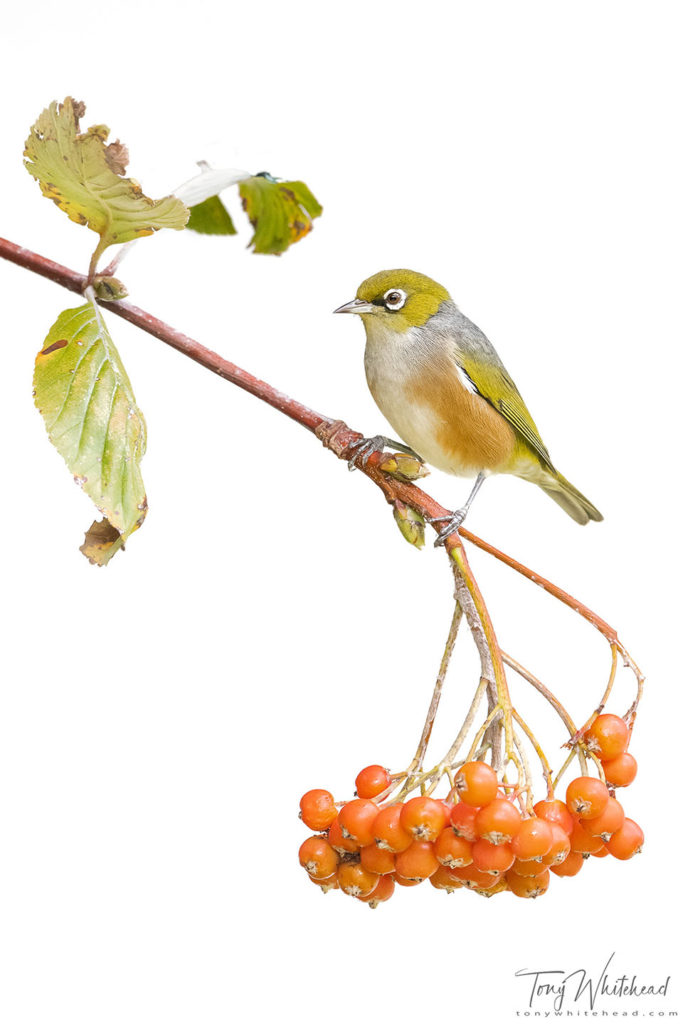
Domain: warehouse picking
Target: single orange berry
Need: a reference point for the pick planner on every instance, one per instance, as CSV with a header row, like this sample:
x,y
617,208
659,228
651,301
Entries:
x,y
462,821
607,822
418,861
494,859
388,831
356,819
533,839
423,817
325,884
555,810
581,842
498,822
528,886
627,841
561,846
382,892
472,878
317,857
317,809
570,866
476,783
529,867
372,781
355,880
340,842
444,879
608,737
382,862
621,770
586,796
451,850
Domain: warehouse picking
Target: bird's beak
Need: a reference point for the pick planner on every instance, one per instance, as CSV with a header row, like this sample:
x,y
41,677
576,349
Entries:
x,y
356,306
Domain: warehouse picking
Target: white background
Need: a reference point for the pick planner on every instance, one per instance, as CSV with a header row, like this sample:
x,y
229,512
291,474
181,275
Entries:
x,y
268,630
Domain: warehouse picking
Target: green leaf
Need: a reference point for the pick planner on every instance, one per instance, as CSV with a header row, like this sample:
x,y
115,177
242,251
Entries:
x,y
281,212
84,177
84,395
211,218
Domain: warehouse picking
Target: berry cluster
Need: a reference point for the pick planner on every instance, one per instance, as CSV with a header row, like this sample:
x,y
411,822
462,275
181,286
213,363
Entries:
x,y
477,838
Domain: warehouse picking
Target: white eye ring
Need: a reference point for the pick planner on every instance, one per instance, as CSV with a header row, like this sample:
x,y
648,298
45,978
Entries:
x,y
396,302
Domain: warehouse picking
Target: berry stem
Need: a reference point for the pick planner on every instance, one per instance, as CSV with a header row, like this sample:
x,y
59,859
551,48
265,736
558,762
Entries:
x,y
416,763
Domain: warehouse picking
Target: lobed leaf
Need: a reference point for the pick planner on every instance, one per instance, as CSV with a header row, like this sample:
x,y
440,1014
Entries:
x,y
281,212
84,177
84,395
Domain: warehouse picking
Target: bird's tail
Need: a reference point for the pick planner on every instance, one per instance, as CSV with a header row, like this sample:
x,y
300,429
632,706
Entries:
x,y
567,497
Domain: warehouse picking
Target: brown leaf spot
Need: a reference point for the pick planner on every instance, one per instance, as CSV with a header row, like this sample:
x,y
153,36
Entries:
x,y
62,343
117,157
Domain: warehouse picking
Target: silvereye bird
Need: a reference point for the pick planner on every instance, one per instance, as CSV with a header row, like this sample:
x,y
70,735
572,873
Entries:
x,y
441,385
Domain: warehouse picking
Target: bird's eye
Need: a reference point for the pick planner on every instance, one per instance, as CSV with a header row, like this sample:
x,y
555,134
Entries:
x,y
394,299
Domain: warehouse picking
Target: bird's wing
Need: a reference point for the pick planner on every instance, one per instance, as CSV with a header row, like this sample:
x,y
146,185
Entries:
x,y
475,354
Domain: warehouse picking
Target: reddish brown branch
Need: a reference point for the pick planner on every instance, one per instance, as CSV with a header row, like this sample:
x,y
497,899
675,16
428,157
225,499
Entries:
x,y
334,434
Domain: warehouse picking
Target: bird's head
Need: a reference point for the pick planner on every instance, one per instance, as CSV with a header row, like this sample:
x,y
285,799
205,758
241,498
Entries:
x,y
397,300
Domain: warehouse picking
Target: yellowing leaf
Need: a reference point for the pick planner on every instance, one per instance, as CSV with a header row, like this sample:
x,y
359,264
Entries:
x,y
84,395
84,177
211,218
281,212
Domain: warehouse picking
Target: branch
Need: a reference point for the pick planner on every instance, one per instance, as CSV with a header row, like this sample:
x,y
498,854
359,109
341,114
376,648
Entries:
x,y
334,434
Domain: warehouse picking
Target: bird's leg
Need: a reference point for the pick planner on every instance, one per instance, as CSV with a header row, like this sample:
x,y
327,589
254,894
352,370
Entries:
x,y
367,446
455,521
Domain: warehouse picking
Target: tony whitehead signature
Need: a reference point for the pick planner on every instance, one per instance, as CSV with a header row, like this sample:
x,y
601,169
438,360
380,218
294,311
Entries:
x,y
579,985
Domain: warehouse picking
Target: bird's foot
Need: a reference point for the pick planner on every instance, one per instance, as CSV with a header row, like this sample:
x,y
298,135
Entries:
x,y
364,447
453,524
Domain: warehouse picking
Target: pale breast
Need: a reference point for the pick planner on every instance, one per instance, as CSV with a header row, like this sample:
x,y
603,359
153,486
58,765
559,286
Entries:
x,y
433,408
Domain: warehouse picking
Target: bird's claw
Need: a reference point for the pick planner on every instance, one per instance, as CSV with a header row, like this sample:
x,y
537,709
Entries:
x,y
364,448
453,524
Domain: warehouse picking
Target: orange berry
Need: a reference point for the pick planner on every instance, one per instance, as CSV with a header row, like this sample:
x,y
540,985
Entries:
x,y
626,841
453,851
340,842
607,822
533,839
476,783
423,817
317,857
581,842
561,846
382,892
317,809
388,831
498,822
462,821
621,770
528,886
528,867
418,861
356,819
444,879
555,810
326,884
493,858
571,865
473,878
586,796
372,781
607,737
380,861
355,880
406,882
